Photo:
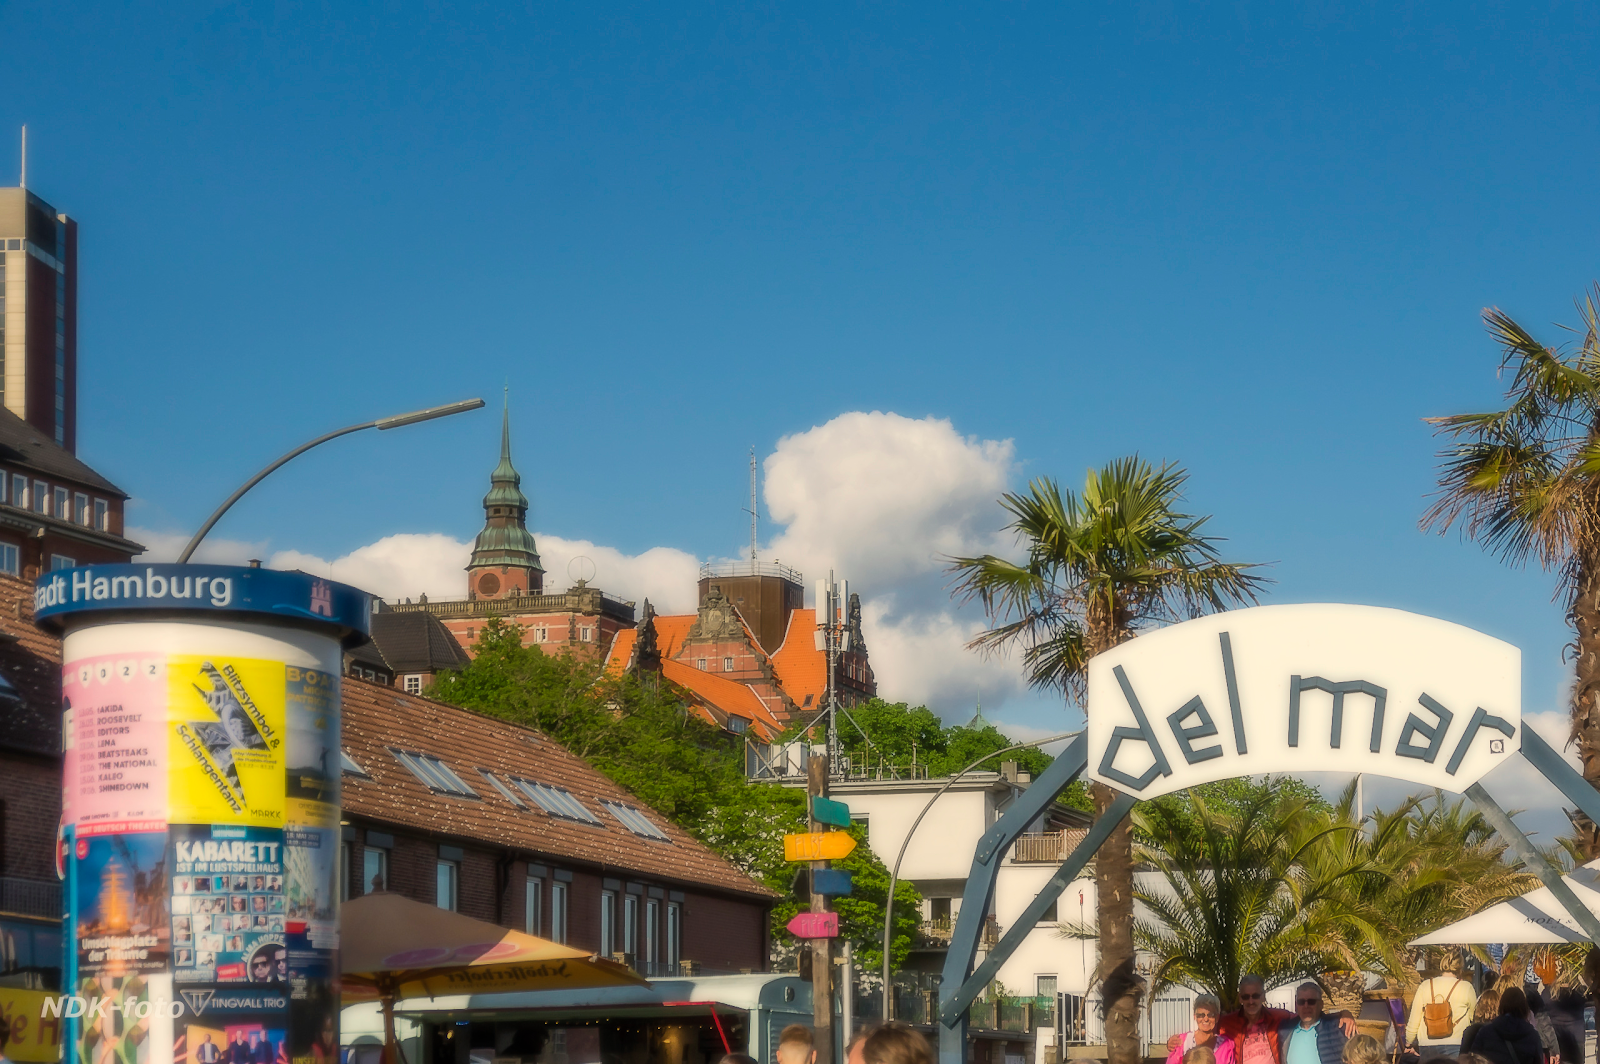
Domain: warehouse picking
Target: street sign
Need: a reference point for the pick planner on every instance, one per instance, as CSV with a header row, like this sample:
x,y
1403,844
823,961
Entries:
x,y
815,925
829,882
829,811
817,846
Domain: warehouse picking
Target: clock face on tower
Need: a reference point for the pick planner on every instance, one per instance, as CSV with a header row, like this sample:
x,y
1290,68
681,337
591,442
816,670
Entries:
x,y
488,584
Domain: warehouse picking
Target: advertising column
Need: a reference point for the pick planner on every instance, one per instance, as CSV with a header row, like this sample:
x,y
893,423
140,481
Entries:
x,y
200,798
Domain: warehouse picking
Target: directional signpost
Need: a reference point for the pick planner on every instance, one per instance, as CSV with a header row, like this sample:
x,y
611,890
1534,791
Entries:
x,y
818,846
828,811
820,927
814,925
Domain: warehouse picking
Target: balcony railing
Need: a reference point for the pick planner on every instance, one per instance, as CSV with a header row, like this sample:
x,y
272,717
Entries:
x,y
1051,847
729,570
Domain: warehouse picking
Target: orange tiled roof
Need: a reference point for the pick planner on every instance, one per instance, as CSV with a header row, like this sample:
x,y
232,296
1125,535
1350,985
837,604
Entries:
x,y
729,696
621,650
801,668
377,717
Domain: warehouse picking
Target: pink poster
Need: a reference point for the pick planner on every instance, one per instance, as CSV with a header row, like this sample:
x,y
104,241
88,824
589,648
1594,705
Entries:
x,y
115,726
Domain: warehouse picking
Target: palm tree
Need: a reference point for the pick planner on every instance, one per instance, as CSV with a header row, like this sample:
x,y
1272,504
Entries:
x,y
1100,567
1525,482
1268,889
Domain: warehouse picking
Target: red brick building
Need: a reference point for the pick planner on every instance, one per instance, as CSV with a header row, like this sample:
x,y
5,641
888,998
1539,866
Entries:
x,y
749,658
455,808
506,579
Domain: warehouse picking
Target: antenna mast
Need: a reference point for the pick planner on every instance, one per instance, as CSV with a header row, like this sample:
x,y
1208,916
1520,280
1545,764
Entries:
x,y
752,511
24,182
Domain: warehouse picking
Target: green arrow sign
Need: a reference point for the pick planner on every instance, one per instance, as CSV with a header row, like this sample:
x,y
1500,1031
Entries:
x,y
828,811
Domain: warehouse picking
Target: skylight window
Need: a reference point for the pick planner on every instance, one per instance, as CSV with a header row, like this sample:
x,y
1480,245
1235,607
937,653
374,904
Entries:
x,y
502,788
557,801
435,774
348,764
635,821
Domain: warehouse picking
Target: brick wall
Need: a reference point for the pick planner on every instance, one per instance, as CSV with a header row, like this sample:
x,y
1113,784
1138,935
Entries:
x,y
723,934
30,790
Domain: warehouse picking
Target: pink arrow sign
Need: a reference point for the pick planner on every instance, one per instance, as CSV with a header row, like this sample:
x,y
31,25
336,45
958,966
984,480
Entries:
x,y
815,925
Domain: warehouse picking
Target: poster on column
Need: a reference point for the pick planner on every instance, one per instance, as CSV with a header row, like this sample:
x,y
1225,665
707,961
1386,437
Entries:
x,y
228,912
226,750
114,720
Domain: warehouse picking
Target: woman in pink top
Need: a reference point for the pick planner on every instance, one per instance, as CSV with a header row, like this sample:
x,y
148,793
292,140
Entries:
x,y
1207,1009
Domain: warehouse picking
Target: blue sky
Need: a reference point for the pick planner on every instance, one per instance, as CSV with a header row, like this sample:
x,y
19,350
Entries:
x,y
1250,238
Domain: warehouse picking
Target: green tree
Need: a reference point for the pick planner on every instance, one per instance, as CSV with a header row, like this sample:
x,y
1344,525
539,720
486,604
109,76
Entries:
x,y
1525,482
1099,567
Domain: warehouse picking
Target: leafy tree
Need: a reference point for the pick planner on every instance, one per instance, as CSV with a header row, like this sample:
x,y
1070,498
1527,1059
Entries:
x,y
1099,567
1525,482
1181,812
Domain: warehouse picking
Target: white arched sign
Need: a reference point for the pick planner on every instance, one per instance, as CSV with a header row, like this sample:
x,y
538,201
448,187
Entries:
x,y
1303,688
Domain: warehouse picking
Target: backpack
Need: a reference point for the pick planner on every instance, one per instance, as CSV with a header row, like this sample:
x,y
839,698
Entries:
x,y
1437,1016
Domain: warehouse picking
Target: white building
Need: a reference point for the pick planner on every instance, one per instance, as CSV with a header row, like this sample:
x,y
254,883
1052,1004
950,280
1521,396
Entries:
x,y
939,856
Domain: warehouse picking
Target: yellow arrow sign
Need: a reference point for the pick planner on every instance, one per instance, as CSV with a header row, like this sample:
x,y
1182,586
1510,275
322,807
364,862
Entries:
x,y
818,846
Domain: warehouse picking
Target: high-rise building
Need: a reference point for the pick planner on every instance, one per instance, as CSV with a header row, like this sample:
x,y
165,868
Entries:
x,y
39,315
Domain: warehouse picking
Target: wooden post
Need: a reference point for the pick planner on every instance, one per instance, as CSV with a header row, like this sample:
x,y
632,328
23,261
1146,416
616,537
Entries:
x,y
822,948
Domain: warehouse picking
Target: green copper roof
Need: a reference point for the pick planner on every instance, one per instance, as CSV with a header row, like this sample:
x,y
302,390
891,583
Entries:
x,y
505,539
505,482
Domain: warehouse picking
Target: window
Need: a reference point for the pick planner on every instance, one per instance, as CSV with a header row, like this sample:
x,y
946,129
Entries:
x,y
4,479
1044,986
348,764
630,926
635,821
494,781
652,914
102,515
700,663
41,497
737,724
1049,915
374,869
727,664
345,864
446,875
61,561
674,936
80,509
63,508
435,774
557,801
10,559
413,684
533,906
558,912
608,930
19,490
541,634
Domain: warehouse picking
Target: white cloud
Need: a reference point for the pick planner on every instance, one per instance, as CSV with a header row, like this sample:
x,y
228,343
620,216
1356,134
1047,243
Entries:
x,y
668,577
884,499
396,567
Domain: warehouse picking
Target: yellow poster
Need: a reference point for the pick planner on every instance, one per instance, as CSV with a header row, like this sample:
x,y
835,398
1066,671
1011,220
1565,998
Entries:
x,y
227,749
34,1036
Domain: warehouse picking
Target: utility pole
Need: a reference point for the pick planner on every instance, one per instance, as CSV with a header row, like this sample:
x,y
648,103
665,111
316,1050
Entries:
x,y
817,769
754,511
833,639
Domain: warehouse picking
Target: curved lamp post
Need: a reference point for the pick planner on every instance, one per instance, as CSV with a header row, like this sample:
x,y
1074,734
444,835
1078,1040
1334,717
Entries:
x,y
382,423
894,874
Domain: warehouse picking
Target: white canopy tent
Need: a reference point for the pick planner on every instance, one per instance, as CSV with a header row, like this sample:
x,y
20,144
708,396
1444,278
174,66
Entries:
x,y
1534,918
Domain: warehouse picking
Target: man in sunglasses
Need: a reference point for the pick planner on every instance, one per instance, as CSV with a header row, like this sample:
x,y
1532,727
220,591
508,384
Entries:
x,y
1262,1035
1312,1037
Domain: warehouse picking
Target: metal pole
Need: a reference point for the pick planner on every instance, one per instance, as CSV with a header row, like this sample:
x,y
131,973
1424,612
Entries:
x,y
821,948
382,423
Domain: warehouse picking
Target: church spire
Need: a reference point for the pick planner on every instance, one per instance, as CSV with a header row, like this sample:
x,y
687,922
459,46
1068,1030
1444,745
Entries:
x,y
505,559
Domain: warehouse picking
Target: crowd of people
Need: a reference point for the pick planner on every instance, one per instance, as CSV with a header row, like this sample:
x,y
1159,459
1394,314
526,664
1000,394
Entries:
x,y
881,1043
1449,1023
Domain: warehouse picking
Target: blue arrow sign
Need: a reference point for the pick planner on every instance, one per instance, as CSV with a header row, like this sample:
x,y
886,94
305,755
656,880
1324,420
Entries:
x,y
831,882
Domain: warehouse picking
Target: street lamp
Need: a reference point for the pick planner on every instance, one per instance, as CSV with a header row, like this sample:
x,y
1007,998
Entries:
x,y
382,423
